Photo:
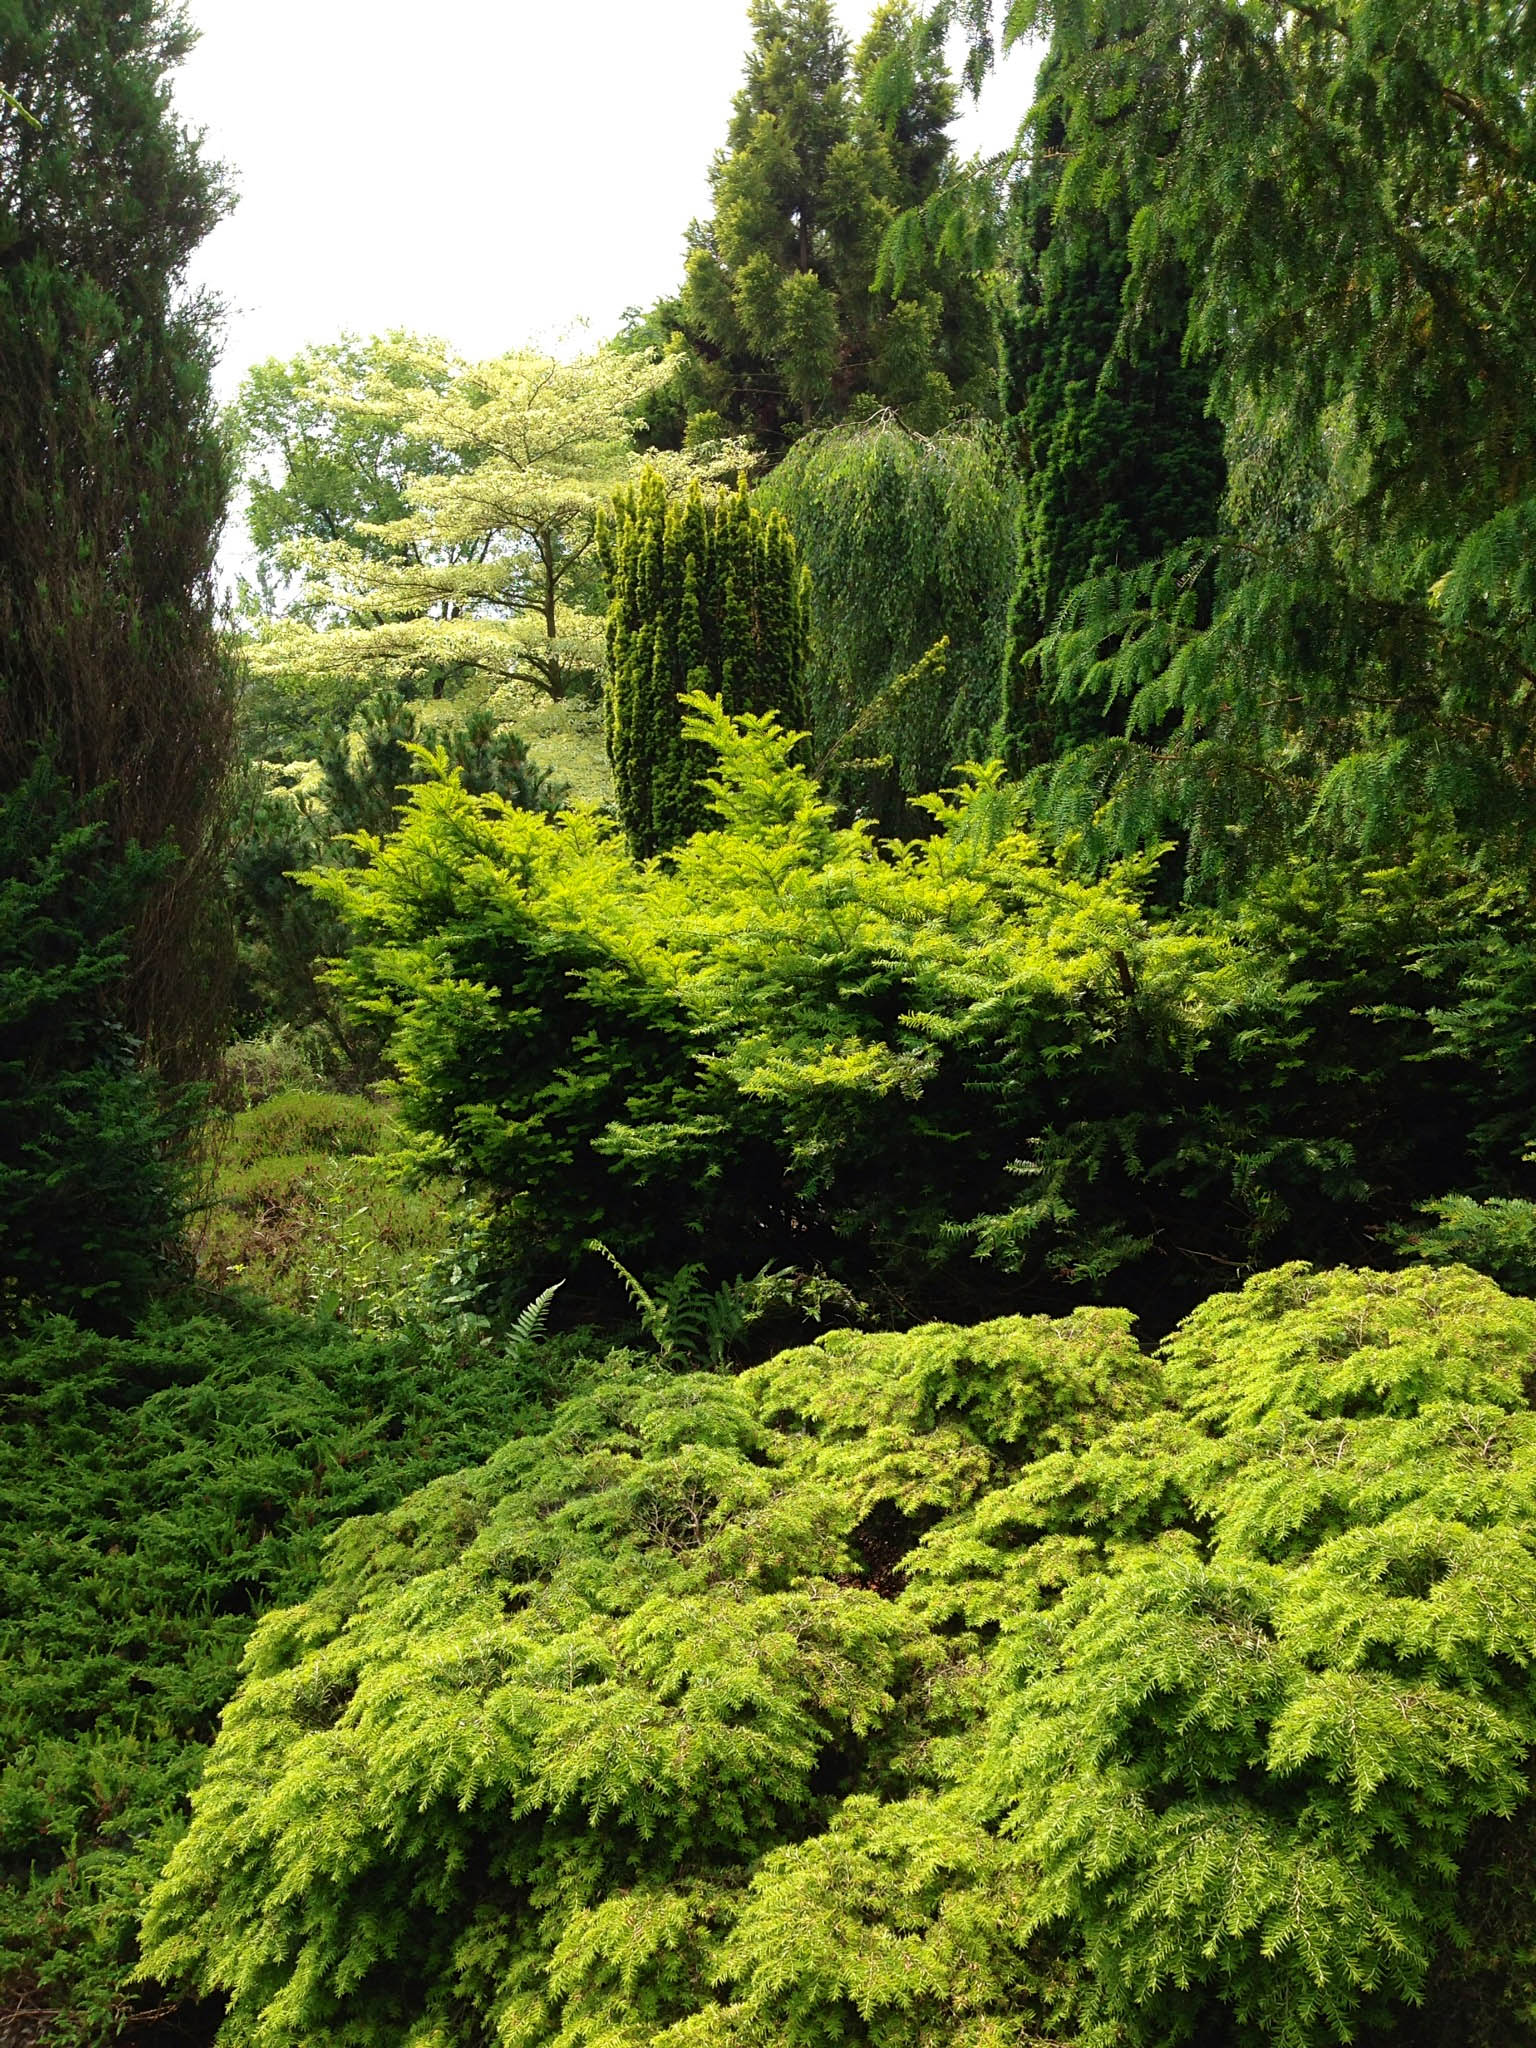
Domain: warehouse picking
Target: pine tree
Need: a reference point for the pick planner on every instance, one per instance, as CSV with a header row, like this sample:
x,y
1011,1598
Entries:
x,y
778,311
699,599
112,473
1120,459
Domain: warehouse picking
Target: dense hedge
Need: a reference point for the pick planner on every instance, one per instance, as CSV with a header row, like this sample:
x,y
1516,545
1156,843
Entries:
x,y
161,1491
971,1686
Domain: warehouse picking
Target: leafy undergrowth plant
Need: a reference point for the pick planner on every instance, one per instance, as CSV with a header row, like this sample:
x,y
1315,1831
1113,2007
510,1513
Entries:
x,y
160,1492
969,1687
307,1213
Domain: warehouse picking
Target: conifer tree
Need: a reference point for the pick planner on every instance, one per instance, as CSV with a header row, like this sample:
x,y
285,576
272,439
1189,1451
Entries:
x,y
778,311
1349,194
700,598
112,474
1119,457
909,540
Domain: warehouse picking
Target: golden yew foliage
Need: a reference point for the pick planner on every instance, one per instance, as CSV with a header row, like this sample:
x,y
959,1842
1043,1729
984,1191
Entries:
x,y
973,1686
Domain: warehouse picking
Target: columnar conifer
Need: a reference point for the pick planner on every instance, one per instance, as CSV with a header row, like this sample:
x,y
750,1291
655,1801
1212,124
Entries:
x,y
1121,461
700,598
112,473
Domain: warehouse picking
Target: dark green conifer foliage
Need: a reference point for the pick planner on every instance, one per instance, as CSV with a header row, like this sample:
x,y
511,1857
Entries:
x,y
782,326
89,1192
1351,197
112,474
163,1489
1120,459
700,598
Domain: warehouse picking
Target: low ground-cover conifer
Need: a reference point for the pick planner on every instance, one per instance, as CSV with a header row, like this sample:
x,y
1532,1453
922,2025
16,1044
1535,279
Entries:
x,y
975,1686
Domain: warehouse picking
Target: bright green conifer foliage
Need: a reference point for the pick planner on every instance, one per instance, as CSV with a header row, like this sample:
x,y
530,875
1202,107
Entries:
x,y
927,1065
790,1042
508,1775
969,1686
1291,1664
700,597
296,816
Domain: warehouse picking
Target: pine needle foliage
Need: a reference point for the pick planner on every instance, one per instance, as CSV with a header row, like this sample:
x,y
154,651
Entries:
x,y
1290,1665
978,1686
701,597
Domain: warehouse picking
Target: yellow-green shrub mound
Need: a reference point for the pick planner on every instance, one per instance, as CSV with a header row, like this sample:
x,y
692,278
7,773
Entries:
x,y
979,1686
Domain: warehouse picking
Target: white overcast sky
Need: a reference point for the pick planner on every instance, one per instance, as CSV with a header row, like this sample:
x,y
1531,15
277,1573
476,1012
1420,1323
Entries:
x,y
486,170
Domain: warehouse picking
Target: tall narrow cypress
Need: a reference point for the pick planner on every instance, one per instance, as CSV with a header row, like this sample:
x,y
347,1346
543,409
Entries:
x,y
699,599
112,471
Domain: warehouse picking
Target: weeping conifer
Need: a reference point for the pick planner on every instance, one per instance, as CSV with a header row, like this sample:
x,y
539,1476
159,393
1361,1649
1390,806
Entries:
x,y
700,598
1120,459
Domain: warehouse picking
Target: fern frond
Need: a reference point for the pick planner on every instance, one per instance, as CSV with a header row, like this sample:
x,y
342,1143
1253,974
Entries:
x,y
644,1303
529,1327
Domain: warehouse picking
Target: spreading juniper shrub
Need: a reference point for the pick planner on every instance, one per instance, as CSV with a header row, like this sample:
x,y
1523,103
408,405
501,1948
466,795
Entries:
x,y
160,1492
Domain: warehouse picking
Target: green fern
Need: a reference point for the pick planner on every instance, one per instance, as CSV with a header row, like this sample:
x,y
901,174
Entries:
x,y
687,1320
530,1323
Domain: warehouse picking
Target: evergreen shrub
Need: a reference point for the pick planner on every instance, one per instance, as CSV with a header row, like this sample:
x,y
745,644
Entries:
x,y
1496,1237
160,1491
969,1686
288,816
91,1185
927,1067
787,1043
